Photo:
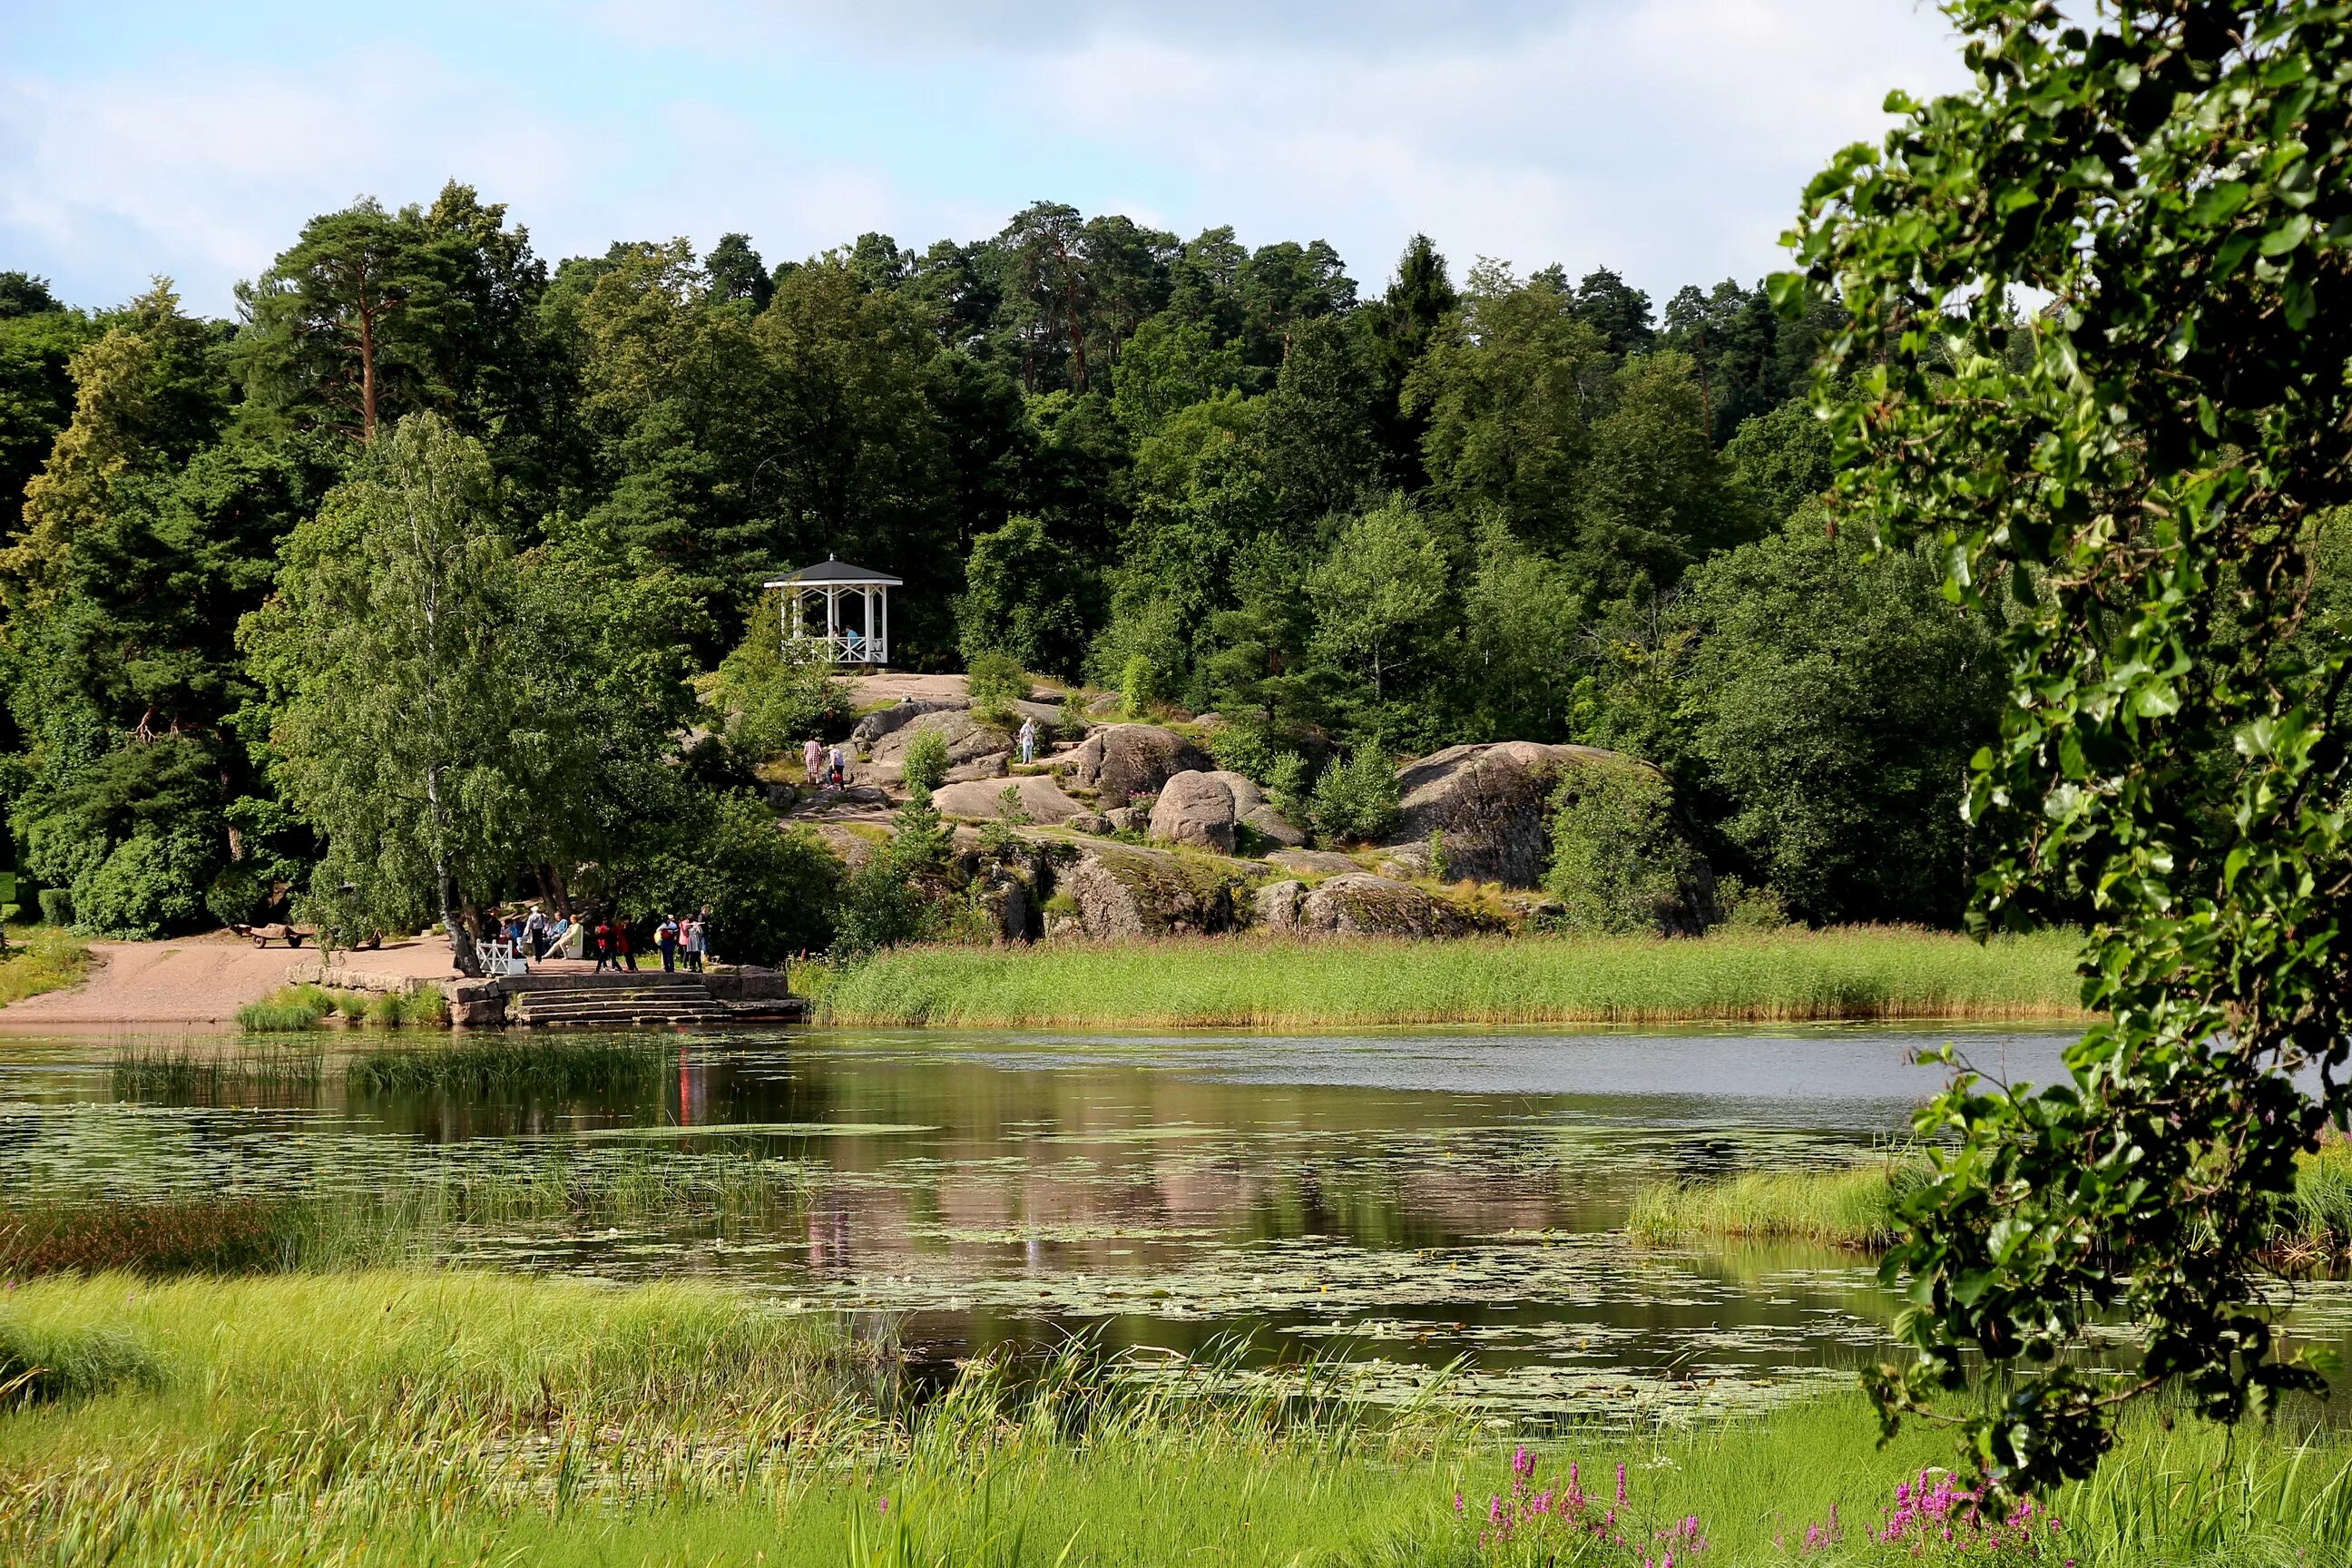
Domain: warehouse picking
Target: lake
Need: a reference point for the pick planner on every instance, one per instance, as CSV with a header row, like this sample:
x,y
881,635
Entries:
x,y
1398,1200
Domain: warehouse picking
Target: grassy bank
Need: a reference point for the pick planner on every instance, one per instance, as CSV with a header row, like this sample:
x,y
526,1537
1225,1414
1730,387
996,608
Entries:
x,y
397,1417
1854,1206
1852,973
41,958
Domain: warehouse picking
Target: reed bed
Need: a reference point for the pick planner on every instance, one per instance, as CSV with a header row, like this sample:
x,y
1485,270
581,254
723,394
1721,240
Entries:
x,y
1854,974
548,1064
1854,1206
401,1222
201,1074
392,1418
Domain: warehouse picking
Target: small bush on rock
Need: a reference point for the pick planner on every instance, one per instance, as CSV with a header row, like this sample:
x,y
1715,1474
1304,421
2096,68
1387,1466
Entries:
x,y
996,681
1356,799
926,765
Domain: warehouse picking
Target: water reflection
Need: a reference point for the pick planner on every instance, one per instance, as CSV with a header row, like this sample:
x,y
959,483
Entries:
x,y
1404,1199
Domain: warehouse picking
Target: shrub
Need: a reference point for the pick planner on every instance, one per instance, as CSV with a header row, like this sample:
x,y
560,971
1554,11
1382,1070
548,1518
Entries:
x,y
1743,908
1286,787
1619,864
1244,749
879,907
1358,798
150,885
57,906
772,692
352,1004
237,894
770,889
926,767
996,682
1139,686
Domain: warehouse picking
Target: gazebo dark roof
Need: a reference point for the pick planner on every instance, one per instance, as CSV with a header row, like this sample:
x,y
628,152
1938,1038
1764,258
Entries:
x,y
833,573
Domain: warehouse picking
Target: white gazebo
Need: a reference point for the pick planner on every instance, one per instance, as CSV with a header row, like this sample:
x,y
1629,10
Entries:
x,y
856,600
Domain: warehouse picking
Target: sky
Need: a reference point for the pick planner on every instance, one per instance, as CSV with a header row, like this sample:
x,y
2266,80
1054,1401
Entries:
x,y
1667,138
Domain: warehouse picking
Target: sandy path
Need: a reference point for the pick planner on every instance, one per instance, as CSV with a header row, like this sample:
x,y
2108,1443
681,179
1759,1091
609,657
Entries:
x,y
194,980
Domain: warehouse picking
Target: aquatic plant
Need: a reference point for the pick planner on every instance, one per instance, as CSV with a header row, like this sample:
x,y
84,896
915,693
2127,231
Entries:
x,y
1847,1206
1739,977
191,1074
1855,1206
541,1064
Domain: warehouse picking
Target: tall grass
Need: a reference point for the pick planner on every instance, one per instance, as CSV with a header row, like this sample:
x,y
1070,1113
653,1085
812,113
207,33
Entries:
x,y
1847,1207
402,1221
292,1009
555,1065
1854,1206
210,1076
401,1417
41,958
1850,974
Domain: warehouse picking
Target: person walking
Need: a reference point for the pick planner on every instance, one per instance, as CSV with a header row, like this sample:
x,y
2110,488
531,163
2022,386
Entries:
x,y
623,946
666,937
701,939
840,768
1028,741
534,931
813,758
603,939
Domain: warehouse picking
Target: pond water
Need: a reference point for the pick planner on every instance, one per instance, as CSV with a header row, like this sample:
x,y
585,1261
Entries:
x,y
1400,1200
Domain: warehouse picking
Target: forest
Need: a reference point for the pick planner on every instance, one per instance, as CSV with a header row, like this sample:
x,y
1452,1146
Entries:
x,y
1469,503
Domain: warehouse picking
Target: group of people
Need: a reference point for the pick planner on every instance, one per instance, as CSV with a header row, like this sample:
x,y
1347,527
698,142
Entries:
x,y
830,764
535,932
683,942
826,764
614,941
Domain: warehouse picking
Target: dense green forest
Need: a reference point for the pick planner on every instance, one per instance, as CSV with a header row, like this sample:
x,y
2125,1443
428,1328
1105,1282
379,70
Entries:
x,y
1471,503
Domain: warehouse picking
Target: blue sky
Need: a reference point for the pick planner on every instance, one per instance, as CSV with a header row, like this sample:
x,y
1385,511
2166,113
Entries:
x,y
1666,138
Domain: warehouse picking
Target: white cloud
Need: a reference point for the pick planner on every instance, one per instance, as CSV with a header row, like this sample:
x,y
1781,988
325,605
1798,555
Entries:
x,y
1667,138
1670,139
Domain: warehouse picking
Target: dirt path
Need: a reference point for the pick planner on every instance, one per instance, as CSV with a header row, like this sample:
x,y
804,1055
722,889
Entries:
x,y
193,979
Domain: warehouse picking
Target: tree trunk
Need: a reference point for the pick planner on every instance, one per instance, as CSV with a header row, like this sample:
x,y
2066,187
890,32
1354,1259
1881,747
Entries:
x,y
462,952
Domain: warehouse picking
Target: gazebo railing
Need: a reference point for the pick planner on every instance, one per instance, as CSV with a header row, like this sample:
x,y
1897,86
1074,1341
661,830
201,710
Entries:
x,y
848,648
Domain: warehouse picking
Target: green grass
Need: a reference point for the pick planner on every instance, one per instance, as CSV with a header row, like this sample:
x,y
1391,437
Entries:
x,y
289,1009
292,1009
210,1076
1854,1206
1850,974
1848,1207
41,958
553,1065
400,1417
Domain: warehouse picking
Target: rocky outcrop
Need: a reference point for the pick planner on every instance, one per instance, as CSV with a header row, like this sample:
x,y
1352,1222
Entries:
x,y
1119,762
884,722
1124,820
1277,905
1195,808
1490,803
1253,811
1361,904
968,740
1122,891
1313,862
984,799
